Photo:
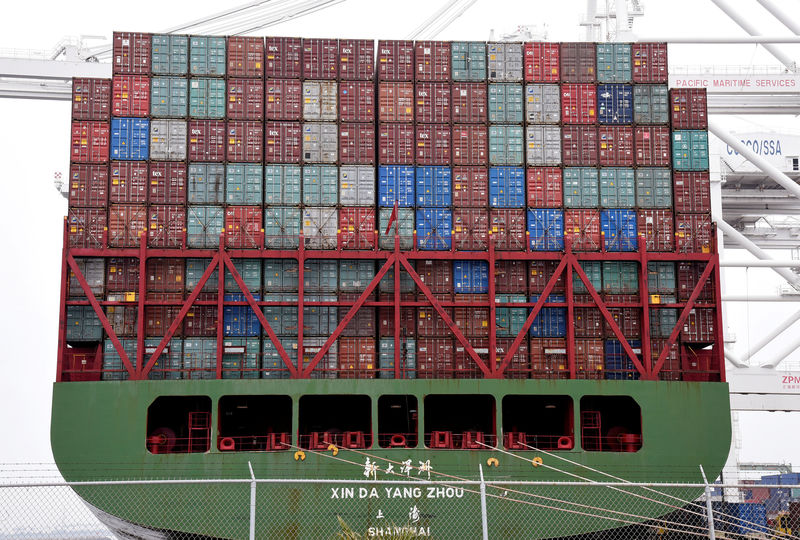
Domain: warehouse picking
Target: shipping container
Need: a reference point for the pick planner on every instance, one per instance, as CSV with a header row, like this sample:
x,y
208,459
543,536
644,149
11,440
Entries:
x,y
283,57
244,183
362,323
94,272
282,142
131,53
433,144
396,144
548,358
395,60
200,358
194,271
628,320
245,141
508,228
434,226
506,145
357,226
396,185
578,62
468,102
204,224
617,187
88,185
470,144
245,99
246,57
470,186
594,273
113,368
688,276
468,60
432,100
356,185
510,277
273,366
386,285
661,278
505,61
657,228
320,320
470,229
122,275
470,277
432,60
320,100
168,140
506,103
688,108
282,319
618,365
692,192
169,97
690,150
283,99
652,146
540,272
510,320
581,187
386,360
588,322
158,318
320,142
86,227
396,102
620,277
357,101
437,275
615,103
435,358
433,186
207,56
357,358
126,224
206,140
472,321
662,320
653,188
90,142
408,318
166,225
693,233
250,272
582,227
544,187
170,55
282,184
430,323
506,187
699,326
551,321
542,62
404,222
615,146
650,104
543,145
614,62
356,59
243,227
165,275
542,103
130,95
356,143
579,145
320,58
671,369
578,104
319,227
123,319
280,275
321,275
546,230
619,227
240,358
240,320
206,183
649,62
91,99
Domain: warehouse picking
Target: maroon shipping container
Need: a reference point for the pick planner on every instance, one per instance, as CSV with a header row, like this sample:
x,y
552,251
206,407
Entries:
x,y
435,358
652,146
395,60
246,57
615,145
508,228
88,185
91,99
432,102
357,358
167,226
126,224
545,187
693,233
578,62
437,275
243,227
168,183
589,322
89,142
470,229
699,364
245,141
356,59
658,229
128,182
628,320
433,144
283,142
519,367
207,140
470,186
159,318
320,58
510,277
246,99
470,144
579,103
201,321
396,144
699,326
432,60
430,324
283,57
165,275
473,321
582,227
589,359
688,107
130,95
395,102
540,273
549,358
357,227
579,145
357,143
671,369
357,101
131,53
688,276
542,62
122,275
284,99
464,365
86,227
363,322
468,102
408,317
649,62
692,192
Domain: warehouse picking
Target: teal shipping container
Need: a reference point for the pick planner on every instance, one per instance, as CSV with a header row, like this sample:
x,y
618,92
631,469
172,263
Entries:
x,y
542,103
113,368
170,55
200,358
282,227
468,61
594,271
355,275
506,145
207,55
581,187
320,275
194,271
280,275
661,277
617,187
206,98
240,358
272,364
407,284
282,319
169,97
690,150
663,320
282,184
404,224
244,183
83,324
506,103
320,320
206,183
249,270
620,277
650,104
510,320
653,188
326,369
169,364
320,185
613,62
204,225
505,61
408,358
94,272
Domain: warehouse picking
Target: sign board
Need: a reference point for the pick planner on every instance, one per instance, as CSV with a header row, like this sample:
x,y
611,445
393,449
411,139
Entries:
x,y
768,84
780,150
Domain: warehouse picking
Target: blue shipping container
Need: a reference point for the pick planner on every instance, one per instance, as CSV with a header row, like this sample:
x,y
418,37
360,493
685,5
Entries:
x,y
507,187
618,365
740,518
434,186
434,228
471,277
551,321
615,104
619,227
546,229
396,183
240,320
130,139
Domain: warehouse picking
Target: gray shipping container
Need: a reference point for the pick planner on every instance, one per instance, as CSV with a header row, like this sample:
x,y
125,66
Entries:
x,y
282,319
320,226
407,284
320,275
543,103
113,368
506,103
580,187
320,185
94,272
617,187
271,362
170,362
505,61
206,183
405,227
320,143
240,358
320,320
326,369
505,145
613,62
250,272
282,227
194,271
320,100
168,140
653,188
200,358
357,185
620,277
280,275
661,277
408,358
543,145
282,184
83,324
204,224
355,275
169,97
650,104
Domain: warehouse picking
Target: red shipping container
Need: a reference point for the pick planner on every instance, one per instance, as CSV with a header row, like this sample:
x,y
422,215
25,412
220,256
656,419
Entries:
x,y
168,183
165,275
167,225
432,60
540,273
432,102
396,144
126,224
628,320
470,186
86,227
131,53
131,95
128,182
473,321
699,326
542,62
470,229
363,322
357,359
408,317
433,144
395,102
357,227
578,62
246,99
89,142
693,233
671,369
88,185
468,103
470,144
395,60
465,366
579,103
122,275
510,277
582,227
245,141
688,275
657,228
430,324
579,145
243,227
284,57
545,187
615,145
435,358
246,57
700,365
207,140
649,62
508,228
519,367
692,192
437,275
589,359
283,142
357,143
201,321
284,99
549,358
356,59
652,146
357,101
688,108
320,58
159,318
91,99
589,322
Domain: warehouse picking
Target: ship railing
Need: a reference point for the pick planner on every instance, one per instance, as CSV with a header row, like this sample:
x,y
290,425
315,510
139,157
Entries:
x,y
271,442
459,440
397,440
177,445
322,440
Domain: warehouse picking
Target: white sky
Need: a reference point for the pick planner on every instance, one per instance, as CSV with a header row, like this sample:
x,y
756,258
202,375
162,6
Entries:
x,y
34,145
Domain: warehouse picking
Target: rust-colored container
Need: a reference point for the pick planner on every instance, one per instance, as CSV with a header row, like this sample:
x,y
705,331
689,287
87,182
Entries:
x,y
245,141
688,276
649,62
589,359
470,186
432,60
408,317
693,233
363,321
468,101
473,321
207,140
579,145
582,227
615,146
159,318
549,358
283,57
246,57
432,101
671,369
470,144
433,144
357,143
396,144
356,59
519,367
589,322
657,227
243,227
88,185
357,359
86,227
130,95
464,367
699,326
246,99
167,182
128,182
357,227
126,224
320,58
510,277
652,146
89,142
629,321
579,103
545,187
122,275
396,102
508,228
578,62
470,229
91,99
283,99
166,225
282,142
165,275
395,60
131,53
692,192
540,273
430,324
201,321
437,275
435,358
357,101
542,62
688,108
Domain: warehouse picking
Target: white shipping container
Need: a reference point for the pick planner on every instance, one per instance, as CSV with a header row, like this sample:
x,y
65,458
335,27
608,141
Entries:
x,y
543,145
320,226
505,61
543,104
320,142
320,100
357,185
168,140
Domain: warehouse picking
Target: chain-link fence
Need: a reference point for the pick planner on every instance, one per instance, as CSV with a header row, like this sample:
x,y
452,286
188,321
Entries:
x,y
410,508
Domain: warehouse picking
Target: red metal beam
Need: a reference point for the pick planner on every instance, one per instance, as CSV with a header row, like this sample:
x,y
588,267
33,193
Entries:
x,y
644,298
301,277
492,309
140,309
62,303
396,299
220,306
570,311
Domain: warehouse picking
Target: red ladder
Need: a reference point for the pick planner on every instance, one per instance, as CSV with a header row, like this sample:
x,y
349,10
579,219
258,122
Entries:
x,y
590,430
199,430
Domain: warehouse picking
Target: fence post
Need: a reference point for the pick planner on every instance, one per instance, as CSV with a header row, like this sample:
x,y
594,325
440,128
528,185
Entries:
x,y
252,503
484,520
711,534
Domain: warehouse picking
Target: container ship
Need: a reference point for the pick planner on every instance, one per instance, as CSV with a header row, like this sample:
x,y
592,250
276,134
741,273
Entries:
x,y
299,253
